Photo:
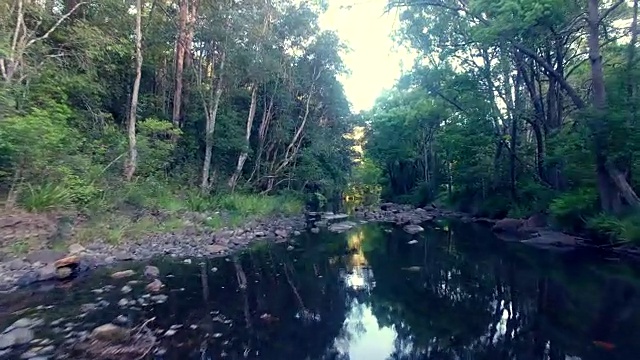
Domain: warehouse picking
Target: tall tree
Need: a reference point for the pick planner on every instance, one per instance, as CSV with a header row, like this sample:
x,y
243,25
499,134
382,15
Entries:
x,y
131,164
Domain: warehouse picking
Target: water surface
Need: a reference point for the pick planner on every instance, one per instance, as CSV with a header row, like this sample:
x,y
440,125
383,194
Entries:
x,y
368,294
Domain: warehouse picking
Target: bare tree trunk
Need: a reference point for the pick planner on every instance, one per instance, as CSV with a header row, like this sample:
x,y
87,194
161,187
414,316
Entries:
x,y
130,165
211,112
245,151
612,184
179,60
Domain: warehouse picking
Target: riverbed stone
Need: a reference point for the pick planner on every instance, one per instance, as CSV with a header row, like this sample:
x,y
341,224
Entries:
x,y
111,333
76,249
215,248
413,229
341,226
16,337
46,256
151,271
123,274
154,286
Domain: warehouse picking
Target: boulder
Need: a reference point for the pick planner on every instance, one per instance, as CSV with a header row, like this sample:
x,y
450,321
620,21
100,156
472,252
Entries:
x,y
151,271
215,248
111,333
342,226
45,256
413,229
281,233
511,226
536,221
76,249
16,337
154,286
47,273
123,274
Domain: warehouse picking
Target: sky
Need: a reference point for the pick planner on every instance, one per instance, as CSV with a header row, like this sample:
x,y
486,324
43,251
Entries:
x,y
375,59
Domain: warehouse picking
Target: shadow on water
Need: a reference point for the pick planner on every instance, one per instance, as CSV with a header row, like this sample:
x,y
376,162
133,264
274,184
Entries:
x,y
458,293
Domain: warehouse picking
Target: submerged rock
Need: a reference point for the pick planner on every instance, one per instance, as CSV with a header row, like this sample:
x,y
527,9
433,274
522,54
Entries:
x,y
413,229
123,274
151,271
342,226
155,286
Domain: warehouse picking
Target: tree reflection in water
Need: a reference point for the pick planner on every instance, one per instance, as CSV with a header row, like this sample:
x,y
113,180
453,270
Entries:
x,y
458,293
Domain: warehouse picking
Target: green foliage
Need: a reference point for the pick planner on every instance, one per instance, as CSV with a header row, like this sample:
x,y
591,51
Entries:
x,y
258,205
571,210
45,197
613,229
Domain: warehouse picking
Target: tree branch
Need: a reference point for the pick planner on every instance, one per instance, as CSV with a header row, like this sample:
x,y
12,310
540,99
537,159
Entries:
x,y
610,10
55,26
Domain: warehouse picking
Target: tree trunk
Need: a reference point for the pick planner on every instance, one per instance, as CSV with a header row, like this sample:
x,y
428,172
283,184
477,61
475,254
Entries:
x,y
611,183
211,112
233,181
181,43
130,167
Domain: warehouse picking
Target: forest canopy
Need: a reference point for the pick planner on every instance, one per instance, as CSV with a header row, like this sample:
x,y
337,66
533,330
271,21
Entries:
x,y
103,97
515,108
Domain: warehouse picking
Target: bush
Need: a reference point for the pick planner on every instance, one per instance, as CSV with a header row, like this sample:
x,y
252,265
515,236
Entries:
x,y
570,210
608,228
258,205
45,197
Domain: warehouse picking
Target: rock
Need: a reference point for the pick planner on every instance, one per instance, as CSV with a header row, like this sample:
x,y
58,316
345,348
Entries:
x,y
170,332
123,274
155,286
126,289
46,273
123,256
22,323
550,239
511,226
290,248
123,302
151,271
17,264
342,226
46,256
121,320
161,298
215,248
413,229
281,233
315,230
412,242
76,249
88,307
110,333
260,234
536,221
63,273
297,233
16,337
187,261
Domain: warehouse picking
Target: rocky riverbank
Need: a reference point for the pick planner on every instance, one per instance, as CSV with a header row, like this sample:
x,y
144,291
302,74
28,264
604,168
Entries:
x,y
532,231
49,265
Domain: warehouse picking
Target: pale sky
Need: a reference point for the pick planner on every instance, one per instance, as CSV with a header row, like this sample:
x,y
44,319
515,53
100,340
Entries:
x,y
375,60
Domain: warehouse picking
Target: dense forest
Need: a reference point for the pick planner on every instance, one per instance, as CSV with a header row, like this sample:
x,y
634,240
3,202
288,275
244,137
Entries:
x,y
514,108
109,103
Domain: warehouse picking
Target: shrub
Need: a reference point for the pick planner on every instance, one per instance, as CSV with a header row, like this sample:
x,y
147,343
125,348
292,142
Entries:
x,y
612,229
570,210
45,197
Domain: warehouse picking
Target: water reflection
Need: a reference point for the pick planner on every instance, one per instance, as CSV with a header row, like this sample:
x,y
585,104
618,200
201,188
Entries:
x,y
458,293
361,336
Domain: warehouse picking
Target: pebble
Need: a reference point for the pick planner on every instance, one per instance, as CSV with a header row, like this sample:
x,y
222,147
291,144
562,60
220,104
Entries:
x,y
170,332
126,289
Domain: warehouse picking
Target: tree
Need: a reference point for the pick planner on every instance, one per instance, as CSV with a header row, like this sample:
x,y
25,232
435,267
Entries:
x,y
130,167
